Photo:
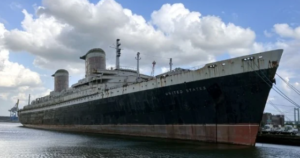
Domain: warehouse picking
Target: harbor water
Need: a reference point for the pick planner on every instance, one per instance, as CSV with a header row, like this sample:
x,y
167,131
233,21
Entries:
x,y
18,141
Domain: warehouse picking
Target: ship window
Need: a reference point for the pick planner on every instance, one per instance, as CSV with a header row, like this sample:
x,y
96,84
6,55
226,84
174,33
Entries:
x,y
260,57
223,64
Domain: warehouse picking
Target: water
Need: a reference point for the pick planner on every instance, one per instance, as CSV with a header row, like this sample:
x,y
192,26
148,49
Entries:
x,y
17,141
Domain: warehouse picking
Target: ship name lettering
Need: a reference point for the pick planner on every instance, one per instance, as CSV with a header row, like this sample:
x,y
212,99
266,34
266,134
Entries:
x,y
188,90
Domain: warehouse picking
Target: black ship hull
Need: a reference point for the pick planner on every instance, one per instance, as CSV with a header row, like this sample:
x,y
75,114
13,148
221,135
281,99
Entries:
x,y
223,109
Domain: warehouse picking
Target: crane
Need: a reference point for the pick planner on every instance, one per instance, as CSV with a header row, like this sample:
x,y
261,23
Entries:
x,y
14,111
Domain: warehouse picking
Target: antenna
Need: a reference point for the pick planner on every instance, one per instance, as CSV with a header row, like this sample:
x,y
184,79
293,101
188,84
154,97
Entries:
x,y
170,64
138,62
153,65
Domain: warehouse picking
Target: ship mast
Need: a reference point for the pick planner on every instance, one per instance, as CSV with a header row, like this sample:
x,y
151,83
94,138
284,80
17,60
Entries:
x,y
153,68
170,64
118,53
138,63
29,99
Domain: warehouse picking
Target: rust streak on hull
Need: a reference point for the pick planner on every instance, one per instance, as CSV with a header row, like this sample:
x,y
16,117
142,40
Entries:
x,y
244,134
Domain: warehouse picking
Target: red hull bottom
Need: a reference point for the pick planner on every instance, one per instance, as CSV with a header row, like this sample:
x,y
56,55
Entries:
x,y
244,134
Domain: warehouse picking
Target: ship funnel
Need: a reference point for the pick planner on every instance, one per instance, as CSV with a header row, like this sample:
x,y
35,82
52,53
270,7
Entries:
x,y
94,60
61,80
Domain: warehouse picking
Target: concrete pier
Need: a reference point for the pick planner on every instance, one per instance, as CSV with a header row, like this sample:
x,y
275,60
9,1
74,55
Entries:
x,y
279,139
8,119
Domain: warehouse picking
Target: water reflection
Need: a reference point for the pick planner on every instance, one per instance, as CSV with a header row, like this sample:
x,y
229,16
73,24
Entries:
x,y
17,141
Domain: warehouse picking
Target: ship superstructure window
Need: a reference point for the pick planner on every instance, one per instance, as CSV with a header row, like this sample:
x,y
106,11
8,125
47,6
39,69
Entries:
x,y
212,66
249,58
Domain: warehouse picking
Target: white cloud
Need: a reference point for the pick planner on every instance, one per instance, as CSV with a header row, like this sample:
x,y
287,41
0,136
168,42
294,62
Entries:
x,y
235,16
284,30
267,34
2,20
165,69
14,74
16,81
289,66
4,96
58,34
15,6
23,88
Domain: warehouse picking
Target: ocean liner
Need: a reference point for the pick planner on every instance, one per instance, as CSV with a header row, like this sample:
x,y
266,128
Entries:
x,y
221,102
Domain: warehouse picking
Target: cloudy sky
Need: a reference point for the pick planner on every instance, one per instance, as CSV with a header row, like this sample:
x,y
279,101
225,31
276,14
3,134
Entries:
x,y
39,37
